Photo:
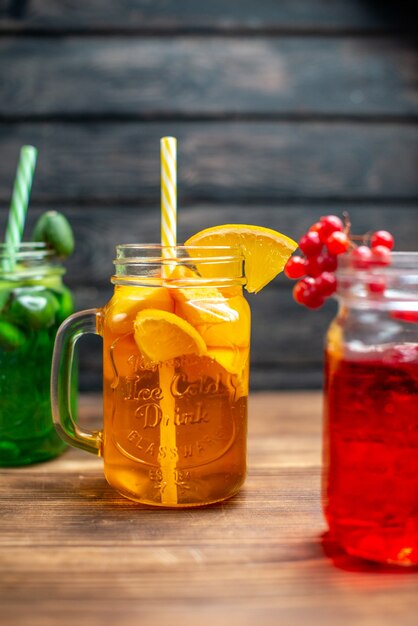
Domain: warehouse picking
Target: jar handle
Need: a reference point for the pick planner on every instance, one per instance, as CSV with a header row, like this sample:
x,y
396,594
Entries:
x,y
68,334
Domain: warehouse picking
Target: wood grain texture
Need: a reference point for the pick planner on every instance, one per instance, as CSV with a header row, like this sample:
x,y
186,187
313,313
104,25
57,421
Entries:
x,y
287,340
220,161
170,15
216,76
98,229
73,551
284,110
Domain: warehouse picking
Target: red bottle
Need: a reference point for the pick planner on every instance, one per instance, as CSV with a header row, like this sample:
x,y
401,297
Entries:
x,y
370,469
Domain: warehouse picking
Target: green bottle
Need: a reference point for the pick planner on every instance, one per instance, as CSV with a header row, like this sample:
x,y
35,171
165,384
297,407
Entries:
x,y
33,303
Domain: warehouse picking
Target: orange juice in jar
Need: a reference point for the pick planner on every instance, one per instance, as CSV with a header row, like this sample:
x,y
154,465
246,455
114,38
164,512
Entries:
x,y
175,375
176,355
176,337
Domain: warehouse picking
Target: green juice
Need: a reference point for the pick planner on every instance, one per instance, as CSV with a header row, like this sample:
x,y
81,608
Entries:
x,y
33,303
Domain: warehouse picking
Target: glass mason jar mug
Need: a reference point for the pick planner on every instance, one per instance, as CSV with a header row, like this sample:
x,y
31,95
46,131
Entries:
x,y
176,339
370,470
33,303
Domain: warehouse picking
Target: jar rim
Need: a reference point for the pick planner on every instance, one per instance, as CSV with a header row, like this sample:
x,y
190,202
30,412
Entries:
x,y
150,253
400,262
28,260
26,250
152,264
393,286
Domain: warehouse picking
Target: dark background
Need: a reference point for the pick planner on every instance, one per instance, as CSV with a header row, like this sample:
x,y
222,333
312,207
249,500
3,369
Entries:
x,y
284,110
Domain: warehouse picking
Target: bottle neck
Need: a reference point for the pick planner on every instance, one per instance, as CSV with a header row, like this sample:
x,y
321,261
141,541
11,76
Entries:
x,y
178,266
28,261
389,288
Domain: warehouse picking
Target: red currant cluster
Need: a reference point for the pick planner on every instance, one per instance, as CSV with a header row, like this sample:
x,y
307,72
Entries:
x,y
324,242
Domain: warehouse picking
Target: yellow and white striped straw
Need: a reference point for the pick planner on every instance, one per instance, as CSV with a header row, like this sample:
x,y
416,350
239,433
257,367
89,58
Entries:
x,y
168,462
168,192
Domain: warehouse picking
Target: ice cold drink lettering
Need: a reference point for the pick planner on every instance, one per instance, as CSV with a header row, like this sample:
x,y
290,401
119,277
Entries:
x,y
205,423
151,416
181,387
134,390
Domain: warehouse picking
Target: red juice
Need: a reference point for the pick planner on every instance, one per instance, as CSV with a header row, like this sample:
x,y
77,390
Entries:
x,y
370,475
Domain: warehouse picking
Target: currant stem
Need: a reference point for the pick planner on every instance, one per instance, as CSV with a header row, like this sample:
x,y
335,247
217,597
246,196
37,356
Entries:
x,y
347,223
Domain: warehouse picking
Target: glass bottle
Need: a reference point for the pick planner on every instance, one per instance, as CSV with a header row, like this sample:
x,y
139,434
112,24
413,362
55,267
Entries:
x,y
176,337
370,468
33,303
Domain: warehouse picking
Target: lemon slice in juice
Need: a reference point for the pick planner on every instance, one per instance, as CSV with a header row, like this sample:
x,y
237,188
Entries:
x,y
266,251
208,310
161,336
127,301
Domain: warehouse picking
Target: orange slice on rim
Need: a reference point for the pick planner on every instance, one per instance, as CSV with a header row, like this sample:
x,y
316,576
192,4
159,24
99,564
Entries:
x,y
266,251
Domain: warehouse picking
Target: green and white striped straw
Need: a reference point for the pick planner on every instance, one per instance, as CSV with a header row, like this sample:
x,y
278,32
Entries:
x,y
19,203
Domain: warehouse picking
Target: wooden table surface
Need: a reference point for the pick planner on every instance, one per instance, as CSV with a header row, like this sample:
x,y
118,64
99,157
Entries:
x,y
74,552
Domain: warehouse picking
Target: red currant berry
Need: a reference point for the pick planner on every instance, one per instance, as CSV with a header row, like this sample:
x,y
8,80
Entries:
x,y
330,224
295,267
337,243
302,287
310,243
314,300
377,285
316,228
306,292
327,262
299,291
326,284
313,267
381,255
361,257
382,238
